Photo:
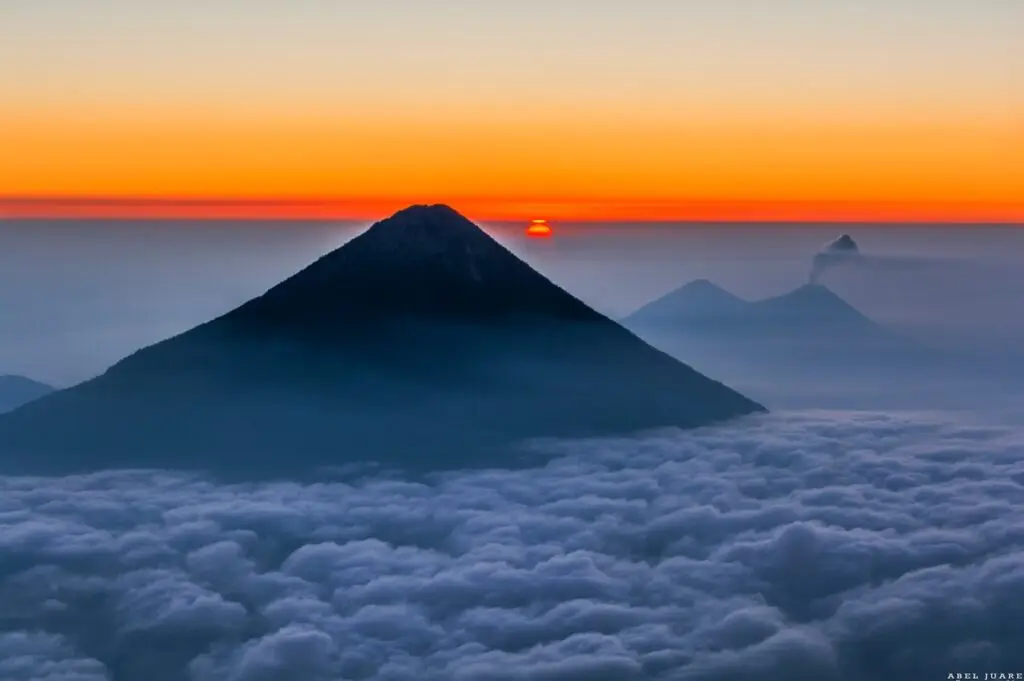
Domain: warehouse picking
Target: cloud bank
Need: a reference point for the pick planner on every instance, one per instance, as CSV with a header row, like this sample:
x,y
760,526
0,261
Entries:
x,y
810,546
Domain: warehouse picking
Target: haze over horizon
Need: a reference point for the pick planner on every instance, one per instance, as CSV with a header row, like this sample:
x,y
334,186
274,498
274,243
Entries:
x,y
77,296
781,110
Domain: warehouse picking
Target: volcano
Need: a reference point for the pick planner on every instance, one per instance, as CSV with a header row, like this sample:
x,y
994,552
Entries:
x,y
698,301
422,343
809,312
18,390
812,308
807,348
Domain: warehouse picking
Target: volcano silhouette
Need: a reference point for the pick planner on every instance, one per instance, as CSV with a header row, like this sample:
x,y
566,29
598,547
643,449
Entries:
x,y
813,308
700,300
809,312
807,348
421,343
18,390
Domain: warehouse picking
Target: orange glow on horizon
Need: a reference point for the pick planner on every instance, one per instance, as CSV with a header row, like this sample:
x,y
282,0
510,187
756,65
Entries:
x,y
645,167
511,210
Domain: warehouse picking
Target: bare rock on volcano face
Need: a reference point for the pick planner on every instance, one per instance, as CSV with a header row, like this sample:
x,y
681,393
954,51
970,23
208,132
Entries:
x,y
421,343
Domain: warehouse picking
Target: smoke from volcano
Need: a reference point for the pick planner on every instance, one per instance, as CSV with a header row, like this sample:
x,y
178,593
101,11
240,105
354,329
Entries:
x,y
842,250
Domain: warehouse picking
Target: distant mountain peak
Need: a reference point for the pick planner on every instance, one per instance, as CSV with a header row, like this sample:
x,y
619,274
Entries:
x,y
705,291
702,285
700,298
844,242
816,293
18,390
16,380
812,303
813,290
703,307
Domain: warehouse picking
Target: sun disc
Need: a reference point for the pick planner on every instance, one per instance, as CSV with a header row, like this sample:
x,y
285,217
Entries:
x,y
539,229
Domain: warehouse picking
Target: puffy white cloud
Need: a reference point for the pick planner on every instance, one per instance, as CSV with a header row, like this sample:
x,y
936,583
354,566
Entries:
x,y
810,546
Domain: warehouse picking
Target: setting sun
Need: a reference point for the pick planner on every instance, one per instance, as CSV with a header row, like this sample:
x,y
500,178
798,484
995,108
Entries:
x,y
539,228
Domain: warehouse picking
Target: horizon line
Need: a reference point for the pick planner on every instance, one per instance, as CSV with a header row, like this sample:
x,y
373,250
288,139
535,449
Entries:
x,y
506,209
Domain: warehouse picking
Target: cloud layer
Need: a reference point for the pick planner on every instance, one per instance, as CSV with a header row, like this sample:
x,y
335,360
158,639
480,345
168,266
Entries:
x,y
812,546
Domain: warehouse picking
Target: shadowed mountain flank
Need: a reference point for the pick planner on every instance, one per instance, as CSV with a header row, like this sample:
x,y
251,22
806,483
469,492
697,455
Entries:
x,y
421,343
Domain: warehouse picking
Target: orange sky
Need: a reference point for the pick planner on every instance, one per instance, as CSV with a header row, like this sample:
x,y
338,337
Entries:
x,y
497,209
865,110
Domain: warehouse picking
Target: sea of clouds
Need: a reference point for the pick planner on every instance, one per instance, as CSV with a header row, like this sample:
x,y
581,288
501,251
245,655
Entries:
x,y
791,547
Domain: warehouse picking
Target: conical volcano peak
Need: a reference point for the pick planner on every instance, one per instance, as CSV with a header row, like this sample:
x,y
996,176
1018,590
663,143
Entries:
x,y
705,287
812,302
698,299
421,343
438,217
707,293
813,292
426,229
425,262
810,295
701,284
845,242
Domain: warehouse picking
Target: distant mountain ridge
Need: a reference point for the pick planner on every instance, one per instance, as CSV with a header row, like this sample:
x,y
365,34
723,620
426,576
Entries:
x,y
807,348
18,390
701,306
421,343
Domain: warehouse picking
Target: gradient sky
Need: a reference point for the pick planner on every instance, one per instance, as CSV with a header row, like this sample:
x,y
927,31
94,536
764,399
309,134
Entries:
x,y
776,109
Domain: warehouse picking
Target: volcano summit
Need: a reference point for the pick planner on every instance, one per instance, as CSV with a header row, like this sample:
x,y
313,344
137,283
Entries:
x,y
421,343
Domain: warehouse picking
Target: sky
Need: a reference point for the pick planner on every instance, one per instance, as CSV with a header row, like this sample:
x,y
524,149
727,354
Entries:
x,y
567,109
